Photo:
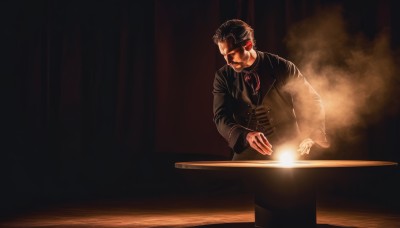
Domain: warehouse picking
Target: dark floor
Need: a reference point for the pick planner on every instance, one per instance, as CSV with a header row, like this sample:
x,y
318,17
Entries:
x,y
198,210
201,200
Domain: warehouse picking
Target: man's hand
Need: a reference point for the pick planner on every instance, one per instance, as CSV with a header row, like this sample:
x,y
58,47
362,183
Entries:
x,y
259,142
305,146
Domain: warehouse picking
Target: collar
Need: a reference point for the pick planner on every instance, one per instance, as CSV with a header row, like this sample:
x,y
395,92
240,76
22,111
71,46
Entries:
x,y
253,66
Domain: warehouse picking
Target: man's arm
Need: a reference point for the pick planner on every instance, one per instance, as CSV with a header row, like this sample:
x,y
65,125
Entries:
x,y
308,107
237,136
233,132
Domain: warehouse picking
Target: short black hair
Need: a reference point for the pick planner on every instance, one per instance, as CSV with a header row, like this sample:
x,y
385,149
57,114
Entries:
x,y
235,29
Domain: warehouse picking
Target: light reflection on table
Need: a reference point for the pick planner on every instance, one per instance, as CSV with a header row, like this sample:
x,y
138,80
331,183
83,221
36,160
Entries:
x,y
260,164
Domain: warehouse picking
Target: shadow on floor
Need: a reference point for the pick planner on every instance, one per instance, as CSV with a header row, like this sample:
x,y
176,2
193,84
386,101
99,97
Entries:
x,y
251,225
333,226
233,225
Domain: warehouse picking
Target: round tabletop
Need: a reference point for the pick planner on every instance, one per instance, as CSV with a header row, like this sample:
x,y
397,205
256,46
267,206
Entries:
x,y
262,164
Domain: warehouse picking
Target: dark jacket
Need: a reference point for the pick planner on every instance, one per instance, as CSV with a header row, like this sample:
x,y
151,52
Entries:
x,y
286,108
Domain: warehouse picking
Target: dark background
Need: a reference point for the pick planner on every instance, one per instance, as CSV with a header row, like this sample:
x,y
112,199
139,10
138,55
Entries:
x,y
100,98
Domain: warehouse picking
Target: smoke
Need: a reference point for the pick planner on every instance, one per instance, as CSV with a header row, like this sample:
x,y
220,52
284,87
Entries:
x,y
354,75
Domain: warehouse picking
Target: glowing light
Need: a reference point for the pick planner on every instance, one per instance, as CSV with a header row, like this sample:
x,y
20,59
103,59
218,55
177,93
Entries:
x,y
287,158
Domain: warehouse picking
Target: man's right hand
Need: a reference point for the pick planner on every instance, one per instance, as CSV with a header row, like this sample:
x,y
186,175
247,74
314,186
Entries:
x,y
259,142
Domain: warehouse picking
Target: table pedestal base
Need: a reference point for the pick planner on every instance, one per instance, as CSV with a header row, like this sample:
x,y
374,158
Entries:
x,y
300,217
289,202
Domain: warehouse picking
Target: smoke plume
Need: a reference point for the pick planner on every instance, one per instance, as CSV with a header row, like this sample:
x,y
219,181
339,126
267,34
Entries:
x,y
354,75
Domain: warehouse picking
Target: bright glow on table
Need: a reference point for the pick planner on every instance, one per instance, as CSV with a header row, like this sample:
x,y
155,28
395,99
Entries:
x,y
287,158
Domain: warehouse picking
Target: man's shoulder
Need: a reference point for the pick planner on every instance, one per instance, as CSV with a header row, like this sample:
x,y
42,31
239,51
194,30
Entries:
x,y
224,71
224,68
273,58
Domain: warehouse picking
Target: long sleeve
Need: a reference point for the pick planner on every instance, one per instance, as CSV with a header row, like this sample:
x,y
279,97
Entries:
x,y
307,103
233,132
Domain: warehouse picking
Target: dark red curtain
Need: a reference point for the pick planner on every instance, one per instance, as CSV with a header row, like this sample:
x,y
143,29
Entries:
x,y
79,97
99,93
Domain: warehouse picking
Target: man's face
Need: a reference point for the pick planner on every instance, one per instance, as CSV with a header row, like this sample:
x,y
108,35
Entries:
x,y
236,57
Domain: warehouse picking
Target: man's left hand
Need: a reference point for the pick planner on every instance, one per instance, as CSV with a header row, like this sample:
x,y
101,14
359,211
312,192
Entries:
x,y
305,146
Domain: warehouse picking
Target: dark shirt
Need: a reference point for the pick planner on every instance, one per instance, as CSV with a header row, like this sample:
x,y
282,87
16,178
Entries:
x,y
284,106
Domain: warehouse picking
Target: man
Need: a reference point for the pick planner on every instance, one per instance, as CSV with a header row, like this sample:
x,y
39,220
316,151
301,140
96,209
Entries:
x,y
262,103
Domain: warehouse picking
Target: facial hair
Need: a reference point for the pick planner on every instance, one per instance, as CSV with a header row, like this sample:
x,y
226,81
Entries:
x,y
242,63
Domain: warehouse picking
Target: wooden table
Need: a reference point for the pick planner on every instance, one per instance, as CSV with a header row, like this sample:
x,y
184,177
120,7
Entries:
x,y
285,193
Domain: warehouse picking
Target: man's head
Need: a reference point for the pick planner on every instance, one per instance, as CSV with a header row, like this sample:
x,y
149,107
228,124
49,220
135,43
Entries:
x,y
235,40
